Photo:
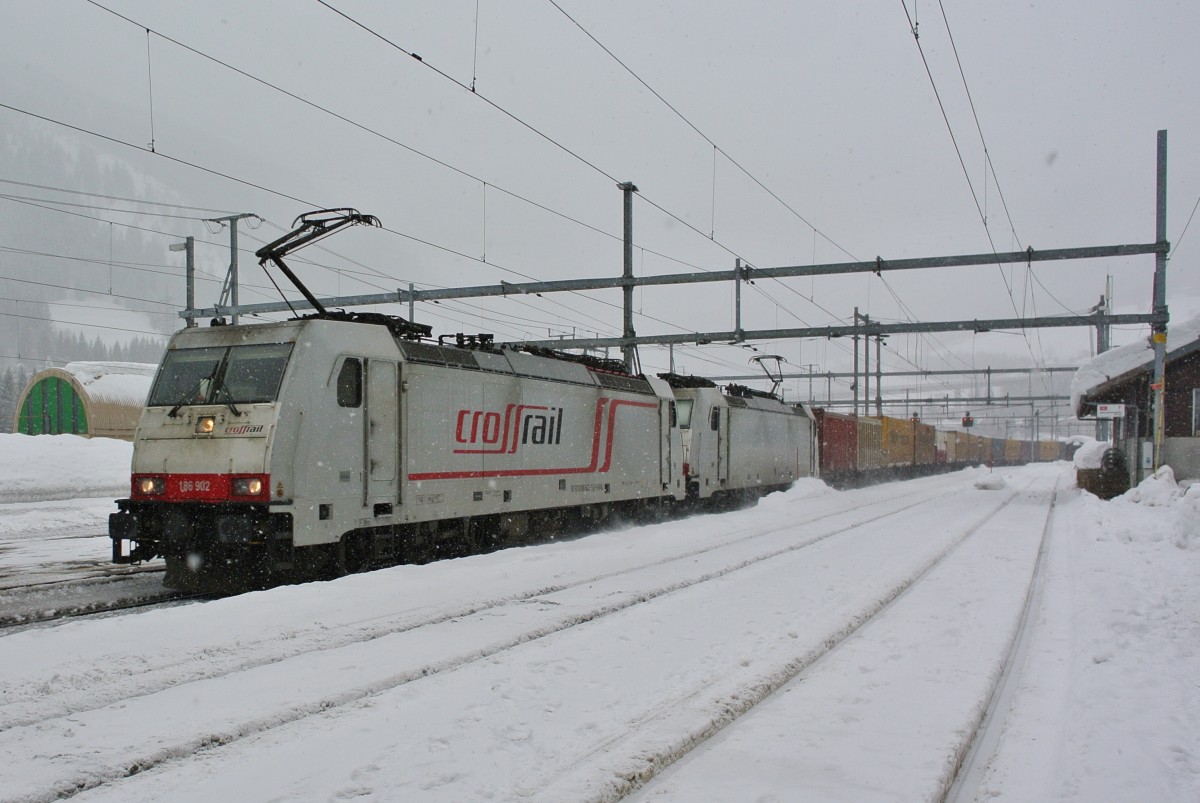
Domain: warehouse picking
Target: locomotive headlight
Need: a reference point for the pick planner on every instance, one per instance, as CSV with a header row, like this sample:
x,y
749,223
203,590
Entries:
x,y
247,486
151,486
205,424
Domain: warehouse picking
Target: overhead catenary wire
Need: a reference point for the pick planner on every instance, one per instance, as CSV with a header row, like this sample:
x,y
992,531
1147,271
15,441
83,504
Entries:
x,y
485,251
287,196
528,126
309,203
1179,239
963,165
717,149
310,103
207,277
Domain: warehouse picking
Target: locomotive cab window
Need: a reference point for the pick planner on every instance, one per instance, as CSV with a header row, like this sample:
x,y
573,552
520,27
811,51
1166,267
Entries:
x,y
221,375
349,383
714,419
683,413
252,373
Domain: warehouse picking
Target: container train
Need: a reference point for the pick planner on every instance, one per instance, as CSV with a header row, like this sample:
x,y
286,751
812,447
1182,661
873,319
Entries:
x,y
859,449
338,441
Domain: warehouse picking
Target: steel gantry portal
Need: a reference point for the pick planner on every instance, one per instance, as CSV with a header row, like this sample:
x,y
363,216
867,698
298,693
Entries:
x,y
1157,318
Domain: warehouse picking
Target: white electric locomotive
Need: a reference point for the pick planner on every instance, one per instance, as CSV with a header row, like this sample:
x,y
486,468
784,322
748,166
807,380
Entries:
x,y
322,445
338,441
739,442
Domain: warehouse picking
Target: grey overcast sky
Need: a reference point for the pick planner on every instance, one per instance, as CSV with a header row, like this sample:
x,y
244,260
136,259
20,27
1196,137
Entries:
x,y
828,105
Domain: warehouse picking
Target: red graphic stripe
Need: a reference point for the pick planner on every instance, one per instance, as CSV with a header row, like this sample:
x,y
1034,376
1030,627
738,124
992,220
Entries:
x,y
612,414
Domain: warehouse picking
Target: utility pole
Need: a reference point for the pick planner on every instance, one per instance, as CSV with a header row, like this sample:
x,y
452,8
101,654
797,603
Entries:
x,y
229,291
878,376
854,384
809,367
1159,329
1103,344
189,245
629,350
737,300
866,319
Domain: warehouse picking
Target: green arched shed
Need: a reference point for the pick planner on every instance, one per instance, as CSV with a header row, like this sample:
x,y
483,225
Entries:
x,y
101,399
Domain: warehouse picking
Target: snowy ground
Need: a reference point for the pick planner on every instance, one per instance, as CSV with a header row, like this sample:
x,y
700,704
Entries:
x,y
824,645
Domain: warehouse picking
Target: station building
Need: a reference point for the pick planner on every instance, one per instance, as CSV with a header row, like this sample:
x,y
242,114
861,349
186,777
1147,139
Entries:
x,y
1124,376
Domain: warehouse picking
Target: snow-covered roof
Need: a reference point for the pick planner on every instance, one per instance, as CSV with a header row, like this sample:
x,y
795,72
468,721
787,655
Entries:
x,y
1129,358
125,383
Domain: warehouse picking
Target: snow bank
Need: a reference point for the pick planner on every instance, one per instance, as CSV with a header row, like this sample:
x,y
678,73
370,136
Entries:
x,y
44,467
1181,525
992,482
1157,511
1088,455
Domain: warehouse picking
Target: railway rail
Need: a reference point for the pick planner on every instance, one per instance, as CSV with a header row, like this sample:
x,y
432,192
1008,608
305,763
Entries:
x,y
48,601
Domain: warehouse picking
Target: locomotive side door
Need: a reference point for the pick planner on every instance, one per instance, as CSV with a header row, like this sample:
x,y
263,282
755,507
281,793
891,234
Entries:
x,y
719,424
381,435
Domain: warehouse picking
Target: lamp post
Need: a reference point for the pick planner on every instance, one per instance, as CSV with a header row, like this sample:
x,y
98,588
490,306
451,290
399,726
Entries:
x,y
189,245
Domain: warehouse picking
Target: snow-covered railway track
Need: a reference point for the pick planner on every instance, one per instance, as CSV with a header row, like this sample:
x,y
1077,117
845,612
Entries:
x,y
154,676
977,751
47,601
893,709
181,718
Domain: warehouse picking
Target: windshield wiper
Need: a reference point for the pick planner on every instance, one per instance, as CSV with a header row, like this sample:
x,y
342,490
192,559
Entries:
x,y
221,386
192,391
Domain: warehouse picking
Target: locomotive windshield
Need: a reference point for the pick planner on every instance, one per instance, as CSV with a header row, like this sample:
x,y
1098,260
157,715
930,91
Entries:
x,y
220,375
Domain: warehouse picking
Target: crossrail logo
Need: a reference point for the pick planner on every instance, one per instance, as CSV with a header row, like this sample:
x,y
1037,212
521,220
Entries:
x,y
244,429
492,434
521,424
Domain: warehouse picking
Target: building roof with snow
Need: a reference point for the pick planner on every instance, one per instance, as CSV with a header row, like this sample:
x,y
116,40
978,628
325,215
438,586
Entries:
x,y
1120,365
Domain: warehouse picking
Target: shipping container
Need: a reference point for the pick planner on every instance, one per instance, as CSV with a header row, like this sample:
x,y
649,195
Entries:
x,y
925,442
838,442
966,448
899,446
870,444
1049,451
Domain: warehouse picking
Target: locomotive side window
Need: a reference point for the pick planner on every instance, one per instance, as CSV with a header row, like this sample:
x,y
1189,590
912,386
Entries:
x,y
714,419
349,383
683,412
